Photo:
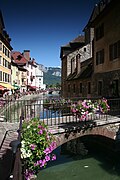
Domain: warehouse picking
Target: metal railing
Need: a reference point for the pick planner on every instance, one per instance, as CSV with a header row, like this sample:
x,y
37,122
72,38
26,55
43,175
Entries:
x,y
51,113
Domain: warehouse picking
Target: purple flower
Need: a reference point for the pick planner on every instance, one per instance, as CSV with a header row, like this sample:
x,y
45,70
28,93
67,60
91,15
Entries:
x,y
40,132
47,158
47,151
32,146
43,162
53,157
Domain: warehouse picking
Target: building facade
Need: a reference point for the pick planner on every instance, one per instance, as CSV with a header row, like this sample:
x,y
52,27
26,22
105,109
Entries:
x,y
106,81
31,70
39,78
98,72
19,71
5,57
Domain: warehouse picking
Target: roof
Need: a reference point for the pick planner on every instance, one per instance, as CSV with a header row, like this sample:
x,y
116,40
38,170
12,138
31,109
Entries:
x,y
22,68
72,45
72,76
1,21
80,38
32,62
97,10
18,58
86,71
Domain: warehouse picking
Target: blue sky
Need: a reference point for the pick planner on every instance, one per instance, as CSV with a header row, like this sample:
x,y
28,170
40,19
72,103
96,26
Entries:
x,y
43,26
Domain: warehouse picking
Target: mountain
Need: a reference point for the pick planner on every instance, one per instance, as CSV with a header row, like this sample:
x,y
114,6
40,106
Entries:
x,y
52,75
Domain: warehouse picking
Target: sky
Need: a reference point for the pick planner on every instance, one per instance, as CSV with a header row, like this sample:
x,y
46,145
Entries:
x,y
43,26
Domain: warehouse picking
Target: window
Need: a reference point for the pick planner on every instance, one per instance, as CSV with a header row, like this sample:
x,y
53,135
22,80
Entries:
x,y
3,49
0,59
9,65
80,87
9,78
6,63
3,62
99,33
114,51
6,77
68,87
77,62
115,91
89,87
0,46
99,88
8,54
78,57
74,88
100,57
73,65
3,76
0,75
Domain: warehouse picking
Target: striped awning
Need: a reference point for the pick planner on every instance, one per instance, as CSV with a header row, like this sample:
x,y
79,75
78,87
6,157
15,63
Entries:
x,y
1,88
6,85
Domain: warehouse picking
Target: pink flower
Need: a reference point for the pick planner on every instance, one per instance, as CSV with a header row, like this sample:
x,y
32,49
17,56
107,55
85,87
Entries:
x,y
40,127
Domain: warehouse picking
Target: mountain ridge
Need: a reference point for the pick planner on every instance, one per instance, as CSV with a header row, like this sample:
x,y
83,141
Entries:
x,y
52,75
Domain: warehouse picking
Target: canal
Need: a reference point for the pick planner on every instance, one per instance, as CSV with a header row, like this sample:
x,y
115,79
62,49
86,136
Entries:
x,y
95,162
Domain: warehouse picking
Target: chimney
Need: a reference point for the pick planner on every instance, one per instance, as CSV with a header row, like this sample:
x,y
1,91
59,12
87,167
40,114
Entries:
x,y
26,54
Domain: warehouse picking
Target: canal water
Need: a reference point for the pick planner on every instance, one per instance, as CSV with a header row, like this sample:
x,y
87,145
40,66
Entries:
x,y
96,164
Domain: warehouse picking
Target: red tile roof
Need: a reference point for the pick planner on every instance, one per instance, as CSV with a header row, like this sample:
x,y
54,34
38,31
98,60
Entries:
x,y
18,58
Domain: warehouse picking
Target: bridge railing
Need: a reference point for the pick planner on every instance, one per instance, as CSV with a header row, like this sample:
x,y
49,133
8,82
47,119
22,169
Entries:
x,y
52,112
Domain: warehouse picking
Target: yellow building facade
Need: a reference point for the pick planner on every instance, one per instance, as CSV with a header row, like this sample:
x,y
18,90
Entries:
x,y
5,57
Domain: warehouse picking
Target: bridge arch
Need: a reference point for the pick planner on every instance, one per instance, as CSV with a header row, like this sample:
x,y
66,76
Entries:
x,y
68,136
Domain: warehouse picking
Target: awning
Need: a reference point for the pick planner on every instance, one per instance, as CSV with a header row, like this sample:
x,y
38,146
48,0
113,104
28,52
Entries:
x,y
2,88
8,86
16,86
31,87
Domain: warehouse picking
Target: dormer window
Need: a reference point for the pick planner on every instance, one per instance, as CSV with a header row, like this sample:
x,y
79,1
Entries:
x,y
78,57
73,65
19,57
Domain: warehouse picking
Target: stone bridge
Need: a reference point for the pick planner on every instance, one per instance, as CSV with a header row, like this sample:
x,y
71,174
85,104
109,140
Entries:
x,y
107,129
